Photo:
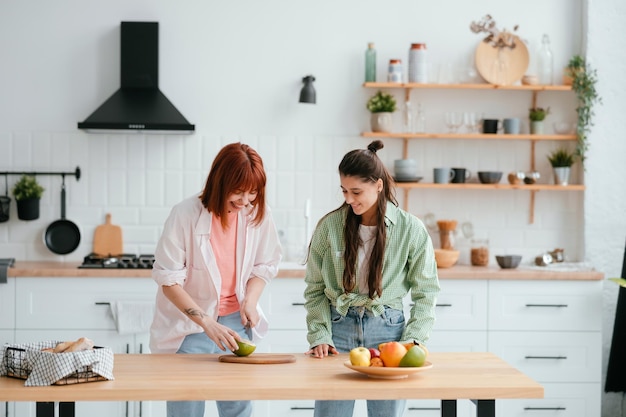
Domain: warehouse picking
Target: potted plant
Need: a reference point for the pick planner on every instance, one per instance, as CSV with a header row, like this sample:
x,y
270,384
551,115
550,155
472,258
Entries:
x,y
583,79
561,160
27,192
381,105
537,116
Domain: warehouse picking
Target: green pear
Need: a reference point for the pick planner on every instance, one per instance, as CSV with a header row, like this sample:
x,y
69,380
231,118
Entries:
x,y
415,357
246,347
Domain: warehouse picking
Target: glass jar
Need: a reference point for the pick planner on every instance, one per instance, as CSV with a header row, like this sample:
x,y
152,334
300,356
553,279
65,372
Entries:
x,y
394,75
479,254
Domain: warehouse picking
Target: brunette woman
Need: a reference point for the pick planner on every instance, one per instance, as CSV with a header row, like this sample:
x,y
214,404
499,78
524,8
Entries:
x,y
364,257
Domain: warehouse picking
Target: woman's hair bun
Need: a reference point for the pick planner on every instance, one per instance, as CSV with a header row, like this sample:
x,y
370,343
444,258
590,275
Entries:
x,y
375,146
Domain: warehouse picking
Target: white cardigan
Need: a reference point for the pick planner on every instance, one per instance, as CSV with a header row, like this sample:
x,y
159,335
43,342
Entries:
x,y
184,256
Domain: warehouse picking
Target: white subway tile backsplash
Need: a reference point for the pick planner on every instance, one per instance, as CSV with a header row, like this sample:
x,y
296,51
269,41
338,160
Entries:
x,y
138,178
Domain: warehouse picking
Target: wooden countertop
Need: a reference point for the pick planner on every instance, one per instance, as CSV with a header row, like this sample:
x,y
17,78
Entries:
x,y
471,375
70,269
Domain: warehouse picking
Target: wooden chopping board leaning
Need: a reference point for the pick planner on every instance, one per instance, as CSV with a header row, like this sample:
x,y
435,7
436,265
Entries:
x,y
107,239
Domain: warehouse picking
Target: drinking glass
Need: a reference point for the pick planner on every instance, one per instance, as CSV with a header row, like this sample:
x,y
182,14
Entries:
x,y
454,120
472,124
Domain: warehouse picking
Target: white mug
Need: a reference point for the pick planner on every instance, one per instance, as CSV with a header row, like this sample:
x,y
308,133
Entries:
x,y
443,175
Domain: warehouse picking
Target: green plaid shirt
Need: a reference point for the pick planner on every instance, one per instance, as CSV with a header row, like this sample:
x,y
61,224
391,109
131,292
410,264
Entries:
x,y
409,265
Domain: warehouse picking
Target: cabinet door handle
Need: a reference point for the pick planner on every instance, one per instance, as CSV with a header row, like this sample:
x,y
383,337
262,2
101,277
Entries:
x,y
302,408
545,357
436,305
547,305
544,408
423,408
103,303
297,304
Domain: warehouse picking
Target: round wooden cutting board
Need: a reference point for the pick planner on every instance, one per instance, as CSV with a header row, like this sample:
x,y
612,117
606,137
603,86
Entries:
x,y
258,358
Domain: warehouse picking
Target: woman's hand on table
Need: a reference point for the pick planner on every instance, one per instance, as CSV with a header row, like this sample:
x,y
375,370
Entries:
x,y
321,351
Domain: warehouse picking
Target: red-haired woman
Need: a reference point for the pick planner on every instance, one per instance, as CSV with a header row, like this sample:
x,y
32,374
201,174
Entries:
x,y
217,252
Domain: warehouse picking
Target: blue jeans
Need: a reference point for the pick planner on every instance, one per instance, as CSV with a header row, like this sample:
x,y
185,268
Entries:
x,y
200,343
360,328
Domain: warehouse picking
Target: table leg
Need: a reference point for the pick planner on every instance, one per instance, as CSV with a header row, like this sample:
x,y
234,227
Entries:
x,y
485,408
448,408
47,409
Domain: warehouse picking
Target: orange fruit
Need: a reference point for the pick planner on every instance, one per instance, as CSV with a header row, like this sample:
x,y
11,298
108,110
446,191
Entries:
x,y
392,353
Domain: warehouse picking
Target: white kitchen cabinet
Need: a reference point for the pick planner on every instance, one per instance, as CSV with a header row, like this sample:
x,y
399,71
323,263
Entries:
x,y
75,303
7,305
551,331
561,400
69,308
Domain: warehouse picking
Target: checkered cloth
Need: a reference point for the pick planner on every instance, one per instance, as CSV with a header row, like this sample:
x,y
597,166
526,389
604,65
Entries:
x,y
28,361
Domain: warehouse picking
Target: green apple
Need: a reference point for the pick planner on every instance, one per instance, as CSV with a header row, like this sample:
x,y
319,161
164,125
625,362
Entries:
x,y
415,357
360,356
246,347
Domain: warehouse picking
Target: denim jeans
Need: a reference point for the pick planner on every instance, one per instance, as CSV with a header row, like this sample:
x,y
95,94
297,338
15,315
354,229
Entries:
x,y
200,343
360,328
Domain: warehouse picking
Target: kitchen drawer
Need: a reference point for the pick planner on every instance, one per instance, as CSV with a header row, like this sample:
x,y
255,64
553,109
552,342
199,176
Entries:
x,y
461,305
7,304
560,400
457,341
283,303
75,303
551,356
305,408
545,305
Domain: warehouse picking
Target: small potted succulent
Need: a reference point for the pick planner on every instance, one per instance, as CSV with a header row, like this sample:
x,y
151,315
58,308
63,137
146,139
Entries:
x,y
537,115
382,105
27,192
561,160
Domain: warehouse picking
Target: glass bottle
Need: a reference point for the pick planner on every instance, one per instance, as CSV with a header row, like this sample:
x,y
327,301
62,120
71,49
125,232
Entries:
x,y
420,120
370,63
545,62
409,118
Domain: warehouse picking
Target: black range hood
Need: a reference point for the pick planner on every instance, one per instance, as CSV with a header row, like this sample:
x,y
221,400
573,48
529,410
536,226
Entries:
x,y
138,105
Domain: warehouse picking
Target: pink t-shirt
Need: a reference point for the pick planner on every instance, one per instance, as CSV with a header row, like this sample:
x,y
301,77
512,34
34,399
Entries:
x,y
224,244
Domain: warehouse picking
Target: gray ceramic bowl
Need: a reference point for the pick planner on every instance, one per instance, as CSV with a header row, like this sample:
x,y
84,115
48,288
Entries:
x,y
508,261
489,177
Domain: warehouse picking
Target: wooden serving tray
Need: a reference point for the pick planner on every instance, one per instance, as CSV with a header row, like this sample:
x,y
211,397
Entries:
x,y
258,358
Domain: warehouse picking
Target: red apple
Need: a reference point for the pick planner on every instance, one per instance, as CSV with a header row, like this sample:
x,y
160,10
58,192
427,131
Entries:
x,y
374,353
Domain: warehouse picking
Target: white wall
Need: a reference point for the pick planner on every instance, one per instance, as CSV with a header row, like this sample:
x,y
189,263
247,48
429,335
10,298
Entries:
x,y
235,68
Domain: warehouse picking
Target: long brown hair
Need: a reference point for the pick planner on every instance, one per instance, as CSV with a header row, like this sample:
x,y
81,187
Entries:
x,y
365,164
236,167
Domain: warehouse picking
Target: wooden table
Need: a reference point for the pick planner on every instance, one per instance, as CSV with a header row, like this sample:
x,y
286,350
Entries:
x,y
481,377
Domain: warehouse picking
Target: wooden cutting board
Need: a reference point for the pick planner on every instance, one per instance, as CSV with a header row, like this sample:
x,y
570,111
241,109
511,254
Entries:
x,y
107,239
258,358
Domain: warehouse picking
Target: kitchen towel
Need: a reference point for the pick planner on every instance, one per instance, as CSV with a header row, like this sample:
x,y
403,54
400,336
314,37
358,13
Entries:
x,y
5,263
132,316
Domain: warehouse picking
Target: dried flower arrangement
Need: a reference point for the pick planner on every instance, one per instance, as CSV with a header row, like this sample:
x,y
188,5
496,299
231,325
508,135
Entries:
x,y
496,38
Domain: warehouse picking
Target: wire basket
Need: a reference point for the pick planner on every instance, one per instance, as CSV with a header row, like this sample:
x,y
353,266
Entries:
x,y
19,362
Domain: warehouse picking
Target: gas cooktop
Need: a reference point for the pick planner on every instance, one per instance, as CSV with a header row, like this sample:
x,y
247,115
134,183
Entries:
x,y
124,260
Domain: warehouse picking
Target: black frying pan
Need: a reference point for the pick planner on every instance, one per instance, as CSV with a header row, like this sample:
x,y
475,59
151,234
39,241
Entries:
x,y
62,236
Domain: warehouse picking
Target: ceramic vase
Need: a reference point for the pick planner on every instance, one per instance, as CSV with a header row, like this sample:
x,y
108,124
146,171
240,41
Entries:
x,y
536,127
561,175
382,122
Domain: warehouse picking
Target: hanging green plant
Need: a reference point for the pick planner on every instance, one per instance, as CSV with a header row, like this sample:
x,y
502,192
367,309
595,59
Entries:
x,y
584,80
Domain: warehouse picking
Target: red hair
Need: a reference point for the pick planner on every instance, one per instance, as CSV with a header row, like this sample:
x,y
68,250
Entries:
x,y
236,167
